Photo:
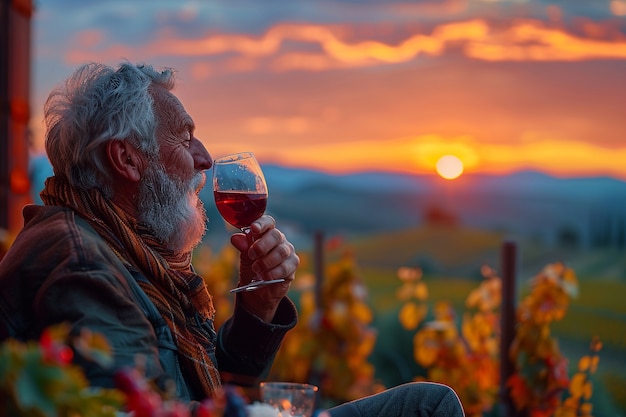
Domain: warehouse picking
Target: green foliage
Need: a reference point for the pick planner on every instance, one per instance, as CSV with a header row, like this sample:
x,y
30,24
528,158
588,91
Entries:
x,y
333,340
38,380
578,402
468,359
541,370
336,337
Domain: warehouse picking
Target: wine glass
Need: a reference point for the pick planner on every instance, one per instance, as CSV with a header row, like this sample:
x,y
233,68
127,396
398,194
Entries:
x,y
289,398
240,195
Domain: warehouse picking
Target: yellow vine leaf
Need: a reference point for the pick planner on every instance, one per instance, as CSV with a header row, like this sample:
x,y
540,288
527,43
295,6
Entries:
x,y
405,292
586,409
421,291
361,312
487,296
587,390
411,315
366,346
571,404
492,346
469,333
473,298
307,301
426,347
482,325
444,311
577,384
584,363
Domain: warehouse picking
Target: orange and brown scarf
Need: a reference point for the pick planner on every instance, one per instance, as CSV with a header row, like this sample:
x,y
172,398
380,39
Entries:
x,y
179,294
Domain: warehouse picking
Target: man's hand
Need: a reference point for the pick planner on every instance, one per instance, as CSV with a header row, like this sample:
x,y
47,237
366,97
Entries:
x,y
265,254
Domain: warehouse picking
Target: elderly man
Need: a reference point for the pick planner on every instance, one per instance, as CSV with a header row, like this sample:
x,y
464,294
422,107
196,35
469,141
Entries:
x,y
110,249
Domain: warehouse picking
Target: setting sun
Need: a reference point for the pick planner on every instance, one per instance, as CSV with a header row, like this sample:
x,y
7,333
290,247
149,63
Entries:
x,y
449,167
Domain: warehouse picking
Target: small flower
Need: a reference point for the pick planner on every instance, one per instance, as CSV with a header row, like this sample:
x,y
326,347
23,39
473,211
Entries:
x,y
53,351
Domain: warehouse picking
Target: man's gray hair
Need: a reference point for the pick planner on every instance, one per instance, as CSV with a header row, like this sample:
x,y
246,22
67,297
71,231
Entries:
x,y
97,104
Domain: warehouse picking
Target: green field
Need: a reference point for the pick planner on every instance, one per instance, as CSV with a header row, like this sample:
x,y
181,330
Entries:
x,y
451,260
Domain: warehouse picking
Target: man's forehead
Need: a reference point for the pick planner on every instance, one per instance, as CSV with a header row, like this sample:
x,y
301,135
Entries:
x,y
168,107
162,96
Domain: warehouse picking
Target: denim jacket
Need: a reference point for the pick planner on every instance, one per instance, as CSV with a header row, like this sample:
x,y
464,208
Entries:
x,y
60,270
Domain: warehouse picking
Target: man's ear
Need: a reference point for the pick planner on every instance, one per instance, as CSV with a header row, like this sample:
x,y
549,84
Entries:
x,y
123,159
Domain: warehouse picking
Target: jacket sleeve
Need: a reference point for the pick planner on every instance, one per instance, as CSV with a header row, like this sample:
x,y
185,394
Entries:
x,y
96,300
60,271
246,345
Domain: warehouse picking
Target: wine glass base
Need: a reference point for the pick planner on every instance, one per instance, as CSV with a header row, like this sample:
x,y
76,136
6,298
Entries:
x,y
255,285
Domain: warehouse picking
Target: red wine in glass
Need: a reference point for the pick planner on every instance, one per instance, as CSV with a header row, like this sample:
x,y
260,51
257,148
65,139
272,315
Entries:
x,y
241,197
240,208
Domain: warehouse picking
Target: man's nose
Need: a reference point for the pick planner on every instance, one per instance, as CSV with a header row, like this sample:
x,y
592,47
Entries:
x,y
201,157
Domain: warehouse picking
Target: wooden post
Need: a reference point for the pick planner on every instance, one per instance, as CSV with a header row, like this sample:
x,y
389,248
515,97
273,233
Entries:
x,y
15,42
4,116
507,322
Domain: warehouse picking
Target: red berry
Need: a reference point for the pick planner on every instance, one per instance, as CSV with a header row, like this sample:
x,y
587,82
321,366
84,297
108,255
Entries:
x,y
129,381
205,409
64,354
144,404
56,353
45,340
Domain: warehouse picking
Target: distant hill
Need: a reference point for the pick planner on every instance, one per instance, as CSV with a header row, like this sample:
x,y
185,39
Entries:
x,y
580,211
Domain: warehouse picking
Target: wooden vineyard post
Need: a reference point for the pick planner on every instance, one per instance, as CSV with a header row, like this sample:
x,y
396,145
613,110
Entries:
x,y
507,323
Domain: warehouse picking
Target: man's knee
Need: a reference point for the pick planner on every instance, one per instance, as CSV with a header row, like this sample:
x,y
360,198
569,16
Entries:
x,y
436,399
423,399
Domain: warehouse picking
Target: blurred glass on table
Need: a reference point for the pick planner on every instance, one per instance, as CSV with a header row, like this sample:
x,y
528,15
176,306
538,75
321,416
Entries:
x,y
289,398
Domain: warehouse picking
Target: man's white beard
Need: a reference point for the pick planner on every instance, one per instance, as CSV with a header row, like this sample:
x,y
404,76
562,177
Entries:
x,y
171,208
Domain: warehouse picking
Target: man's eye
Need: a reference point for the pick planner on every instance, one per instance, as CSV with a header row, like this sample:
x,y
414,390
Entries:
x,y
187,138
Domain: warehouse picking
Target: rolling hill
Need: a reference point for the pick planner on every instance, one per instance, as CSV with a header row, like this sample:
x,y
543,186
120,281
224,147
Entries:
x,y
525,204
388,218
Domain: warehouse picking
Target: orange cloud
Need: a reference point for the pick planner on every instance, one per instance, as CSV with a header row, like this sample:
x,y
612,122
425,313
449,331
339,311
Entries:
x,y
532,41
524,40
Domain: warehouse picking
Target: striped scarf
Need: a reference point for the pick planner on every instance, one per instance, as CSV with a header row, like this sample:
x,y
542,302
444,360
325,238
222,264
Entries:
x,y
178,293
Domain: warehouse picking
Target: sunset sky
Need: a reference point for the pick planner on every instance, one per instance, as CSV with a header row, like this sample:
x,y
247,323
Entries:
x,y
344,86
